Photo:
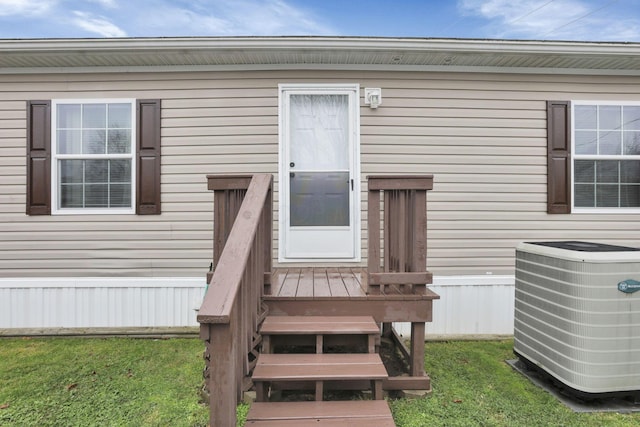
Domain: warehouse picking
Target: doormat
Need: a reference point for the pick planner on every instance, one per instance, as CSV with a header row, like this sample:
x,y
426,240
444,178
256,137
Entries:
x,y
608,404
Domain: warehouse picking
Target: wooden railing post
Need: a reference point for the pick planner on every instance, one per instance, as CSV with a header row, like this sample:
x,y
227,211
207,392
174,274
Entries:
x,y
405,246
221,372
232,308
229,191
404,231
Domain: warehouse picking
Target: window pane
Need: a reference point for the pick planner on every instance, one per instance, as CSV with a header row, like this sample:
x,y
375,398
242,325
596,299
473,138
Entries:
x,y
610,117
610,143
71,171
630,196
71,195
94,116
319,199
96,171
585,171
607,171
94,141
120,171
631,118
68,116
586,117
96,196
630,171
631,143
120,116
586,142
607,196
119,141
69,141
95,183
319,132
120,195
585,195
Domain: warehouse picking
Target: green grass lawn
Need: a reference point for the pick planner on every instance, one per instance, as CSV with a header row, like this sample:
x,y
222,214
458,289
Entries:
x,y
473,386
106,382
134,382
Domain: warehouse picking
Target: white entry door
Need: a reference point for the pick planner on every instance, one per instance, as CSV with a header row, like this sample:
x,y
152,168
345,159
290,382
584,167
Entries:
x,y
319,169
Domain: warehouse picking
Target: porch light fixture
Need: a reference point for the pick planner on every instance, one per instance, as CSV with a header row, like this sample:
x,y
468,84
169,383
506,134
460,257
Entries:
x,y
372,97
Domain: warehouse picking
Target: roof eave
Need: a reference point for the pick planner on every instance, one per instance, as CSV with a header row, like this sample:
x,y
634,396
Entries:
x,y
363,52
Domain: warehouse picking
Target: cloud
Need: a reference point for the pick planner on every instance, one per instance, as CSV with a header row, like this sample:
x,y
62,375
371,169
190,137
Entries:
x,y
26,7
273,17
107,4
97,24
555,19
153,18
230,18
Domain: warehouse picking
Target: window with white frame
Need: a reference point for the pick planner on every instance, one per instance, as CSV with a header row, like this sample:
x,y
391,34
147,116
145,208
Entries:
x,y
93,156
606,156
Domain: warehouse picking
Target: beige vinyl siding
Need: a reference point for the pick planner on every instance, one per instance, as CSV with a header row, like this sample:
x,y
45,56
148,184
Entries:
x,y
483,137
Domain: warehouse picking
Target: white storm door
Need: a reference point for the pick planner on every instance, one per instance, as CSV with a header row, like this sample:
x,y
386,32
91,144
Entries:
x,y
318,174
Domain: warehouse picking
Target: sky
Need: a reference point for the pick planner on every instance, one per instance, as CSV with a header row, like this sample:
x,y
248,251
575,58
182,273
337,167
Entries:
x,y
575,20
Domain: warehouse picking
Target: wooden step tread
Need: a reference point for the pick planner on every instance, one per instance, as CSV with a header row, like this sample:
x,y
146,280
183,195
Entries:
x,y
332,366
324,325
366,413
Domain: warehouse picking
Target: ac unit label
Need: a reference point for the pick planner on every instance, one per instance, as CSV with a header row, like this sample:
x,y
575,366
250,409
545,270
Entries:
x,y
629,286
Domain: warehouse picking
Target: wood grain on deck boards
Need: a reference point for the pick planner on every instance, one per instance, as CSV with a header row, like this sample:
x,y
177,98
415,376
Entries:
x,y
326,325
376,412
333,366
305,284
336,284
321,283
289,286
325,422
317,282
351,282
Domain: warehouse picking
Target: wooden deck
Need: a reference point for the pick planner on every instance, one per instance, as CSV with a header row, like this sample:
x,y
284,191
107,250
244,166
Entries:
x,y
323,291
312,283
332,283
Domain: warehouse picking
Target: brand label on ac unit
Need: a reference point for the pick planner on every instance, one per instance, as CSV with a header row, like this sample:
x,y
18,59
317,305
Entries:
x,y
629,286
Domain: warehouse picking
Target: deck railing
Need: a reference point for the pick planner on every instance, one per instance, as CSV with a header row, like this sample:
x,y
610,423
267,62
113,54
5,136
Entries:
x,y
232,309
404,262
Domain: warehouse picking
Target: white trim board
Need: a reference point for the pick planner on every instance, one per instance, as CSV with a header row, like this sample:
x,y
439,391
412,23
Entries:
x,y
104,282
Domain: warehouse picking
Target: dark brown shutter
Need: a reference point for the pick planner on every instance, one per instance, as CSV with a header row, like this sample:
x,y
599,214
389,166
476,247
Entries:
x,y
38,157
148,157
558,157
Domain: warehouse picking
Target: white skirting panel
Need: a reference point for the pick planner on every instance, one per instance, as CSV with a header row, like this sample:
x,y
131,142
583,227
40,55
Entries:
x,y
100,302
470,306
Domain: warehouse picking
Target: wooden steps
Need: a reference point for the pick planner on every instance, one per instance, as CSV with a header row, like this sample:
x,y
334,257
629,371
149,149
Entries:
x,y
320,329
302,371
365,413
273,368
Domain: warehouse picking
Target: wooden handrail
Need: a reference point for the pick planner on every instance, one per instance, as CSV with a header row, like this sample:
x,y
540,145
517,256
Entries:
x,y
405,233
231,311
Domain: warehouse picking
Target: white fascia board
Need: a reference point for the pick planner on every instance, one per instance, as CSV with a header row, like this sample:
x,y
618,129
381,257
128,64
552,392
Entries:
x,y
322,67
321,43
260,44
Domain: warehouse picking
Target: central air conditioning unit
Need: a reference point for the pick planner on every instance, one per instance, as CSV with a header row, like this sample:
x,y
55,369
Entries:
x,y
577,315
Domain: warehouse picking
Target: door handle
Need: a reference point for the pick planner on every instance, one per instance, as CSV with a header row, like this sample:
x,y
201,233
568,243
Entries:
x,y
352,184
